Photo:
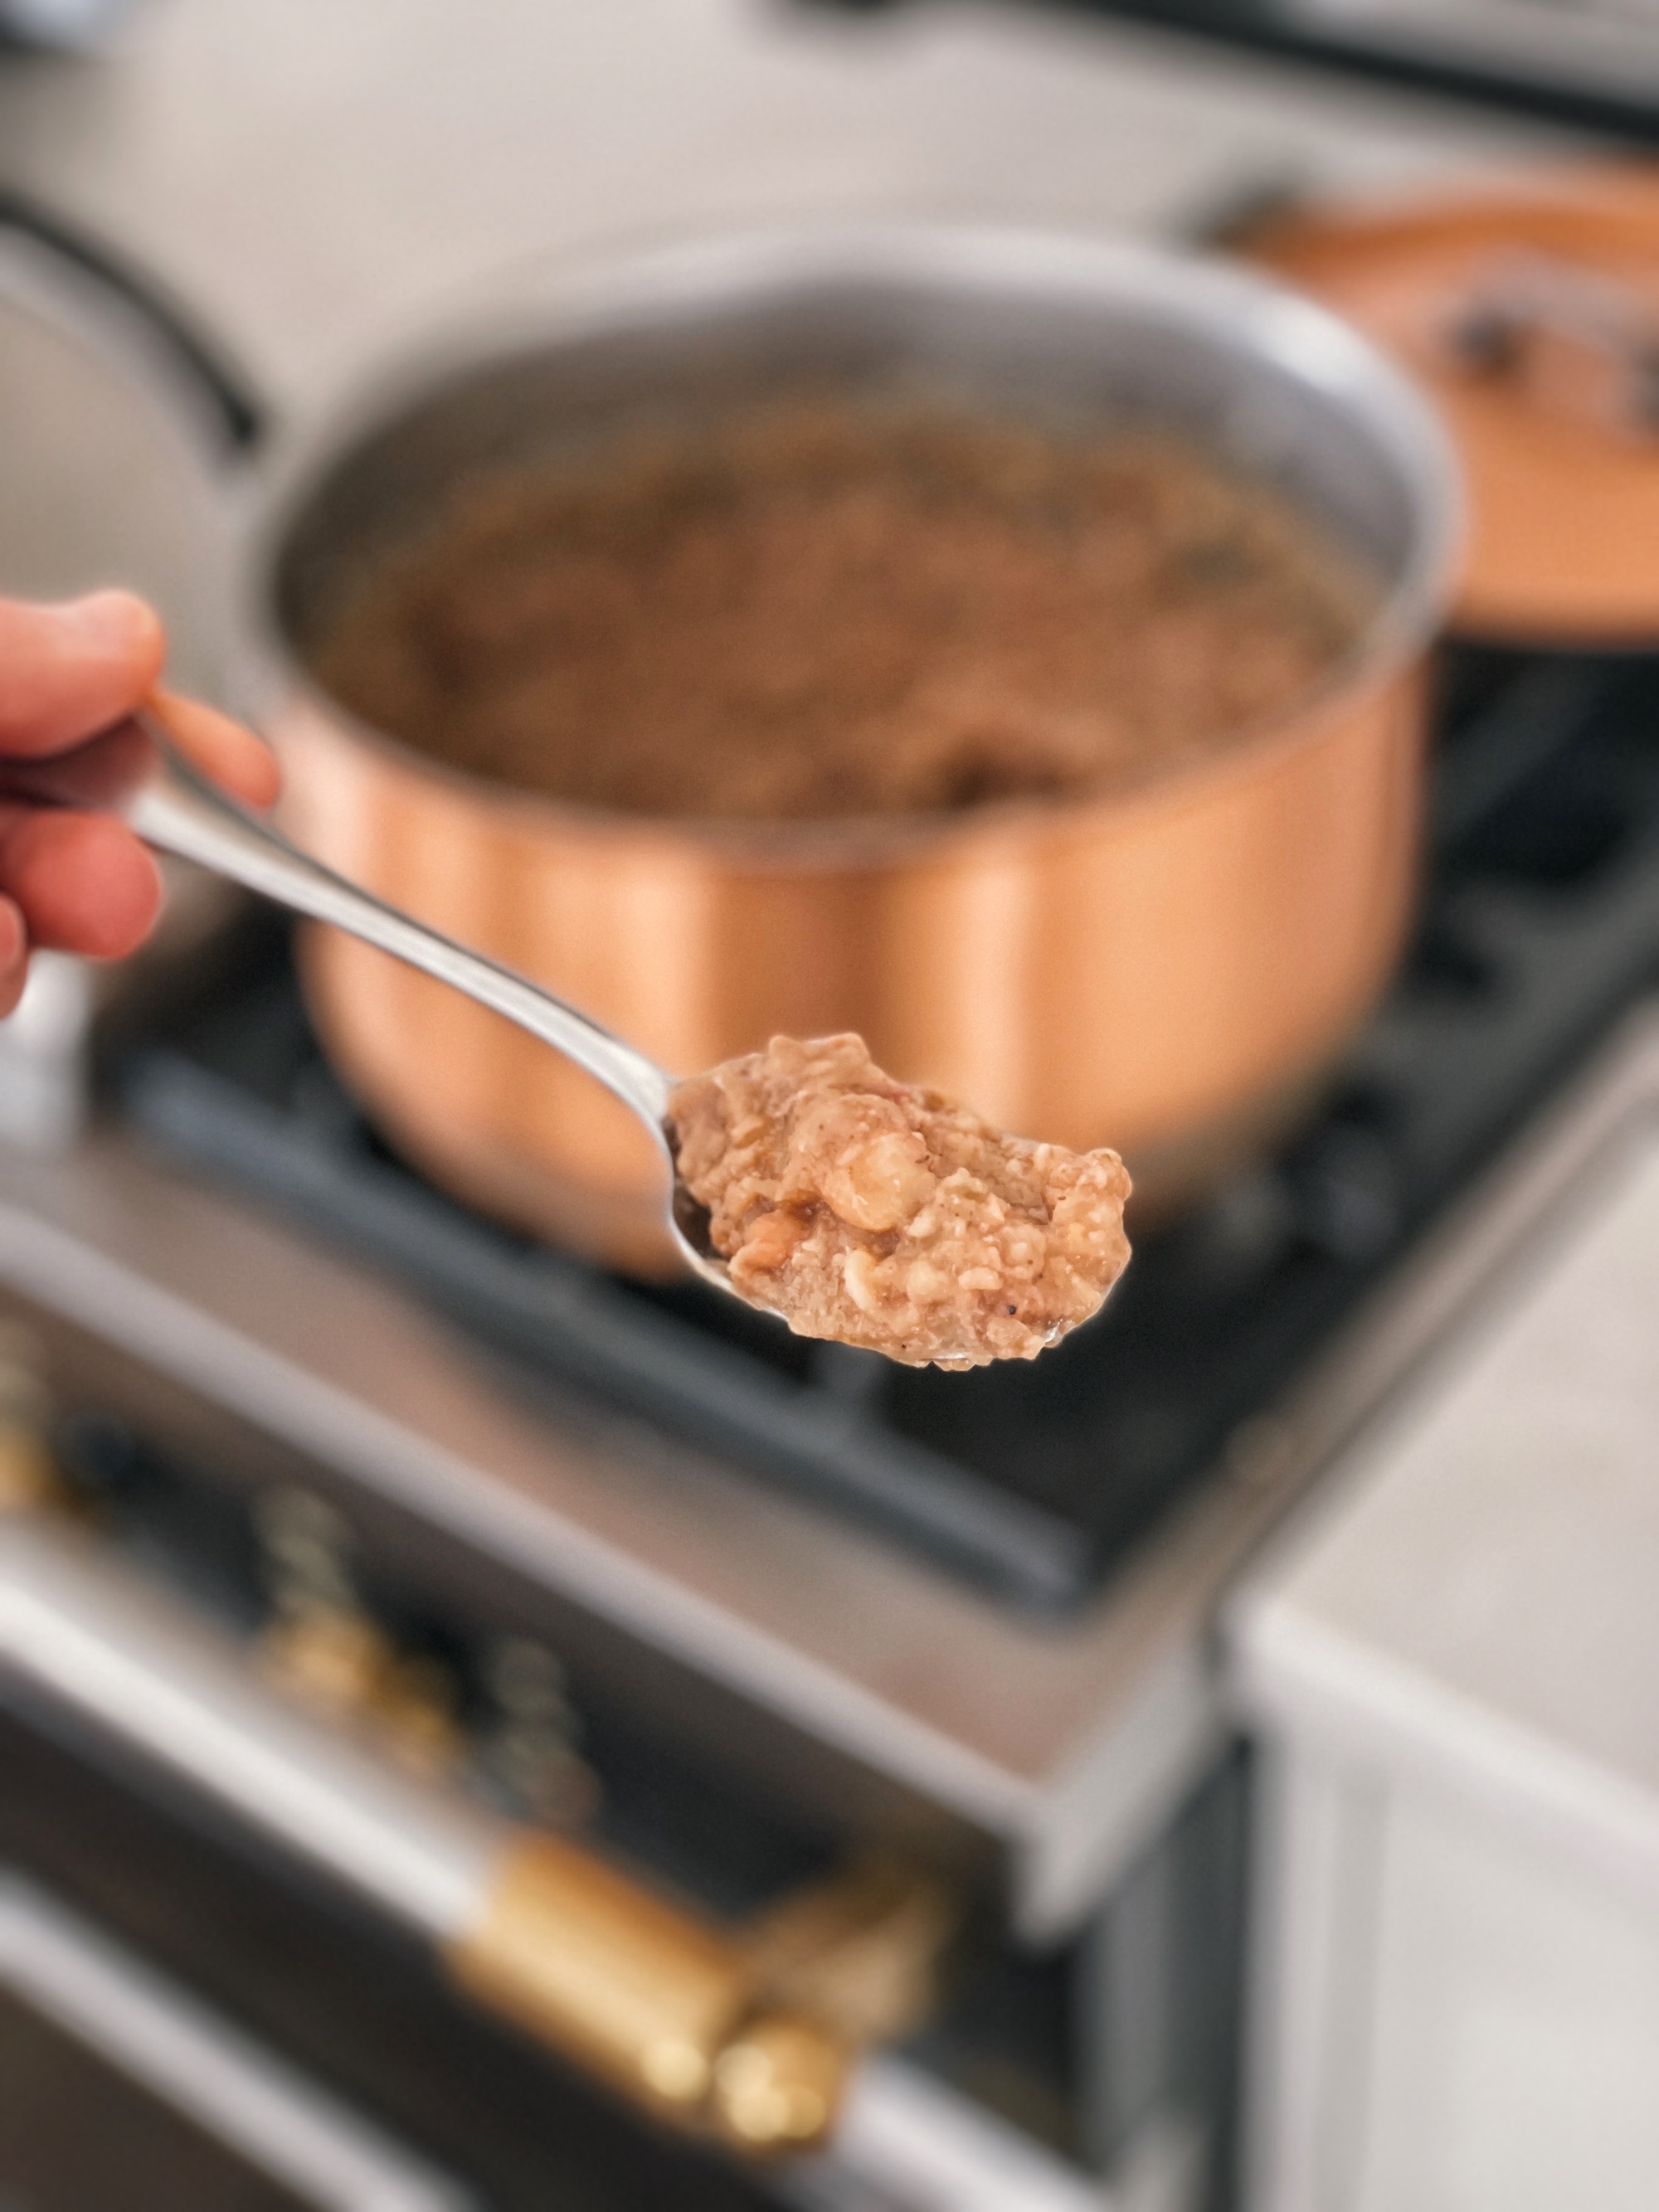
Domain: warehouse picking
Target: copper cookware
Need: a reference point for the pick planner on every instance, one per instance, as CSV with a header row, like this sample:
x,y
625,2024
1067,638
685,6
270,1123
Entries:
x,y
1526,308
1166,968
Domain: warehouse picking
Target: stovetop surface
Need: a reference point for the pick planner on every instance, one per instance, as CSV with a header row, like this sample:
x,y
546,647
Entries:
x,y
1540,922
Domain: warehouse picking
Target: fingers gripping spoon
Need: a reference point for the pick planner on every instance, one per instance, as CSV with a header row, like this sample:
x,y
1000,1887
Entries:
x,y
136,772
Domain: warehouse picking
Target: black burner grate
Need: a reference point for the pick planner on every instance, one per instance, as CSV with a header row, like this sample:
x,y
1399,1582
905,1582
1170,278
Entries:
x,y
1540,922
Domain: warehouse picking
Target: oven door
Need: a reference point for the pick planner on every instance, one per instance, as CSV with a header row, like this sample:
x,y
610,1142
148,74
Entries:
x,y
512,2001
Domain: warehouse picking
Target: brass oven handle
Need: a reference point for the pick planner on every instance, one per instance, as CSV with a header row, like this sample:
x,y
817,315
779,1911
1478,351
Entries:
x,y
671,2011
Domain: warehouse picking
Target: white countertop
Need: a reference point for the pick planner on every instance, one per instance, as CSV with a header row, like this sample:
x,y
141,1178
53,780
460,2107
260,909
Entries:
x,y
1473,1603
316,176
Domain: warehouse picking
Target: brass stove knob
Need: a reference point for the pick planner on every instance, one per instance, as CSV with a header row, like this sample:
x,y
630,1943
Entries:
x,y
777,2085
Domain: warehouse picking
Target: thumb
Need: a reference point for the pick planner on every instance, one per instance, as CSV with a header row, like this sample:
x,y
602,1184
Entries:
x,y
68,671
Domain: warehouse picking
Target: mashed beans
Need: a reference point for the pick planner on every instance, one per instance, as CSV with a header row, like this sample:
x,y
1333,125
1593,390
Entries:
x,y
813,610
883,1215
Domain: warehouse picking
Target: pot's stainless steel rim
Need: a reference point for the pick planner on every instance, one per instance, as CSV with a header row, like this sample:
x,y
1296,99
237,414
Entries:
x,y
1192,300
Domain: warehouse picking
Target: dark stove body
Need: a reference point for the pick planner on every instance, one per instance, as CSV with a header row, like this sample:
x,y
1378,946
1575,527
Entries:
x,y
801,1604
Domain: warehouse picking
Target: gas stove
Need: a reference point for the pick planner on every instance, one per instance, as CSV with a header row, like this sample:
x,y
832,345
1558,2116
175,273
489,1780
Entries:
x,y
737,1617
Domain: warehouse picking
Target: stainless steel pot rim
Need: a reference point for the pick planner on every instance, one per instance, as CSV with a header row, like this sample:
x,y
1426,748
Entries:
x,y
1251,313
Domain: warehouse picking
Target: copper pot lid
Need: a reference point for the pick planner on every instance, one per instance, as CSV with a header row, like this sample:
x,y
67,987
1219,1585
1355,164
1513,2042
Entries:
x,y
1530,311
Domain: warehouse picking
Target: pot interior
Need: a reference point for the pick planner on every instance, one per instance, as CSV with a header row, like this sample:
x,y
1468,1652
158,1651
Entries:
x,y
1053,332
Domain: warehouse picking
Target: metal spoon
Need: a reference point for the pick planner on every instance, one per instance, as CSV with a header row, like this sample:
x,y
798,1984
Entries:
x,y
135,771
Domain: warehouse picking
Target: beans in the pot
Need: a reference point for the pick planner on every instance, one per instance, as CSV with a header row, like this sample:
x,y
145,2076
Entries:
x,y
818,608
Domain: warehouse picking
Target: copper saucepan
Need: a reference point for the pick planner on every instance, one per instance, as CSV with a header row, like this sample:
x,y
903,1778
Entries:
x,y
1165,968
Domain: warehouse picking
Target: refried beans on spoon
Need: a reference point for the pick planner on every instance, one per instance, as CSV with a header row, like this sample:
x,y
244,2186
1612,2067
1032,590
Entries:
x,y
885,1215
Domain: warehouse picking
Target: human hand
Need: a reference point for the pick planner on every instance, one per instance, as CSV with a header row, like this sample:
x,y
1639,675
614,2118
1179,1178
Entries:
x,y
83,882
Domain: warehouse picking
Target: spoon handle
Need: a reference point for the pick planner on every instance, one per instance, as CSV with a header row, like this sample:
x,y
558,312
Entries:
x,y
176,810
